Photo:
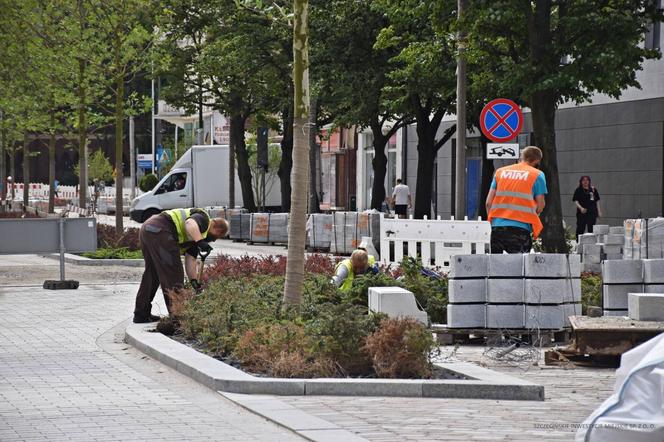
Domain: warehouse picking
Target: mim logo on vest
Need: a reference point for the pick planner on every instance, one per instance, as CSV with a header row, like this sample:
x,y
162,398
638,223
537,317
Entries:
x,y
515,175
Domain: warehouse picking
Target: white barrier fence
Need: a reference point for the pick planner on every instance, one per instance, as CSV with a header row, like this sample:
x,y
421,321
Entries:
x,y
434,241
41,191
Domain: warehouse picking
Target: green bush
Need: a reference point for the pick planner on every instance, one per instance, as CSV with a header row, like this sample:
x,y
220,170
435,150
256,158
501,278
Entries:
x,y
114,253
591,290
148,182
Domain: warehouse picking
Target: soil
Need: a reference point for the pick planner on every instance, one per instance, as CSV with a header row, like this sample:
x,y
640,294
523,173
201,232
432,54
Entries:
x,y
37,274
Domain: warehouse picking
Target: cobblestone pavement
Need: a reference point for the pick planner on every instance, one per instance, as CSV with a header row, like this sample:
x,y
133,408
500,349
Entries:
x,y
571,395
66,375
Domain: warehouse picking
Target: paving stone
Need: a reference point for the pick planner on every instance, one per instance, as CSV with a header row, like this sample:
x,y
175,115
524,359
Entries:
x,y
653,271
503,291
617,230
552,291
591,259
591,249
614,256
545,316
467,290
469,266
612,248
506,265
552,265
653,288
614,240
505,316
624,271
601,229
592,267
614,296
646,306
466,315
587,238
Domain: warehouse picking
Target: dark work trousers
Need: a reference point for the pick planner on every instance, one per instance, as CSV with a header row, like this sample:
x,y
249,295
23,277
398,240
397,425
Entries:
x,y
584,220
511,240
162,263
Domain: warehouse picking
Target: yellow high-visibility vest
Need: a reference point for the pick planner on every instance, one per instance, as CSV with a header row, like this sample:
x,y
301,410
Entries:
x,y
348,282
179,216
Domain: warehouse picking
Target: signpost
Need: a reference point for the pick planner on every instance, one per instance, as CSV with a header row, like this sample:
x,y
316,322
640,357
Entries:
x,y
501,120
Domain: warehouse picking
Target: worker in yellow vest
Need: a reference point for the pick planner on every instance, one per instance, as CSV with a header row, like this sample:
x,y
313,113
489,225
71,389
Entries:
x,y
514,203
359,263
163,238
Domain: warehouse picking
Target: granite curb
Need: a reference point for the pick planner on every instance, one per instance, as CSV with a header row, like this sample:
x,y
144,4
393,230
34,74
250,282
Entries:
x,y
83,261
468,380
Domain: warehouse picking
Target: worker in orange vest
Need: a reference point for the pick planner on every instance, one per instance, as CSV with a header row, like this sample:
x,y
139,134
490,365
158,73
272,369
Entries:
x,y
514,203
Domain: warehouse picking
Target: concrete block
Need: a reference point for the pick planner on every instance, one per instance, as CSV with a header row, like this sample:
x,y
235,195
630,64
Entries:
x,y
545,316
653,271
592,259
573,310
552,291
613,256
615,296
467,290
466,315
601,229
592,267
653,288
601,238
505,291
612,248
395,302
612,239
587,238
617,230
646,306
552,265
505,316
615,312
469,266
506,265
622,271
592,249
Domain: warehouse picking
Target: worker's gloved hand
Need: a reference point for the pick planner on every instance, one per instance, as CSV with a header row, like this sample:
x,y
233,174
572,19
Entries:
x,y
196,285
204,247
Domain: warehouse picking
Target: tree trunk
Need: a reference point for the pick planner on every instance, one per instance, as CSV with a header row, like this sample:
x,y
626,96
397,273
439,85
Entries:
x,y
26,171
119,114
82,138
426,156
286,163
543,107
314,151
243,168
3,158
231,174
379,164
12,170
300,173
51,169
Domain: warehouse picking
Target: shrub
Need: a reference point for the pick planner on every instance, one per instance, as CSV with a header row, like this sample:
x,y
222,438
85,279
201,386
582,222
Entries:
x,y
107,237
430,293
227,266
400,348
591,290
148,182
114,253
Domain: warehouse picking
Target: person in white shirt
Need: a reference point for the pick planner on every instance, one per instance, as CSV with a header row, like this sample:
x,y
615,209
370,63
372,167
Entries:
x,y
401,199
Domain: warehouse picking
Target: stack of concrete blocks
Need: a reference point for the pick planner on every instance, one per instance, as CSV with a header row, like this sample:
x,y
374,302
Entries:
x,y
644,238
649,306
269,228
349,228
319,231
514,291
605,243
619,278
240,227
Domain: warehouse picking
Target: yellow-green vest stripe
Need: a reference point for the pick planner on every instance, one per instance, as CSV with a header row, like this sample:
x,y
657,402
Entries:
x,y
348,282
179,216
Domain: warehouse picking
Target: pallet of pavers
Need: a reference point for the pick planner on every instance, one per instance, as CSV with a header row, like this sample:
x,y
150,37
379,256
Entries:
x,y
268,228
644,238
514,292
240,227
622,277
349,227
319,231
605,243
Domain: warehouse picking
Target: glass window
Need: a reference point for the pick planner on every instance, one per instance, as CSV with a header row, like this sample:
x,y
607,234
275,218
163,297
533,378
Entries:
x,y
173,183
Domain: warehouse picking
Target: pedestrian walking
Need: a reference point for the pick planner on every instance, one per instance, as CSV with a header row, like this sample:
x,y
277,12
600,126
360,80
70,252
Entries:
x,y
514,203
163,238
586,198
401,199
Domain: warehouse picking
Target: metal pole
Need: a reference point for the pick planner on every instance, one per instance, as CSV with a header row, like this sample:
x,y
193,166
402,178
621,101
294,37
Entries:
x,y
460,178
176,142
153,134
132,158
61,225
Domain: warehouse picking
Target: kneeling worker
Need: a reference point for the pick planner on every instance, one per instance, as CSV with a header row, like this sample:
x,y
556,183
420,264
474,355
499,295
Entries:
x,y
163,239
359,263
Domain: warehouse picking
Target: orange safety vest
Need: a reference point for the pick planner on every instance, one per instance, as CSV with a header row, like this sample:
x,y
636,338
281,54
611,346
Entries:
x,y
514,196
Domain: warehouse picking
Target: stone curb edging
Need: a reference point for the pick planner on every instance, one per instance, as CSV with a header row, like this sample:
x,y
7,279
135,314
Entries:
x,y
473,382
83,261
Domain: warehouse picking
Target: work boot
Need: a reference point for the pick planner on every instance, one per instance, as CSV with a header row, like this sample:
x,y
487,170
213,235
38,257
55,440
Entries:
x,y
146,319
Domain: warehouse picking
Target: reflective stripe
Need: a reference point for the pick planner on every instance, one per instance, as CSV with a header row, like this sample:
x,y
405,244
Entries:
x,y
184,215
514,207
525,196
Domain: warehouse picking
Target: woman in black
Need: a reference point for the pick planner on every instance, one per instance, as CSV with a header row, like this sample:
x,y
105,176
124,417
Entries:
x,y
586,198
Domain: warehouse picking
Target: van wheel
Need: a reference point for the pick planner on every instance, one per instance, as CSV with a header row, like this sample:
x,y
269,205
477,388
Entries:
x,y
148,213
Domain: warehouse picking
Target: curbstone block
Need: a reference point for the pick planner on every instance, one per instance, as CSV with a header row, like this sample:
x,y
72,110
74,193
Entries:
x,y
592,249
467,290
552,291
601,229
506,265
545,316
469,266
615,313
624,271
601,239
592,259
505,316
592,267
615,296
617,230
612,239
614,256
466,315
587,238
653,288
505,291
653,271
646,306
552,265
612,248
395,302
573,310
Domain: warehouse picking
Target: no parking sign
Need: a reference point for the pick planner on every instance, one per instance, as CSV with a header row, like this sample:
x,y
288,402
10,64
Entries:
x,y
501,120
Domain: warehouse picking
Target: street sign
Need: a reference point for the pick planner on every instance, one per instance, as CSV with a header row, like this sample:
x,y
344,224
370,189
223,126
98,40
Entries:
x,y
501,120
502,151
144,160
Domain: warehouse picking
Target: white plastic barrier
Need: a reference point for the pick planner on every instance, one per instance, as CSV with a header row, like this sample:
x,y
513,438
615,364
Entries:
x,y
434,241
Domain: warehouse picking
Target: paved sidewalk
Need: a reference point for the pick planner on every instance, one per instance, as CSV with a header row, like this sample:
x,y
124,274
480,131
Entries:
x,y
65,375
